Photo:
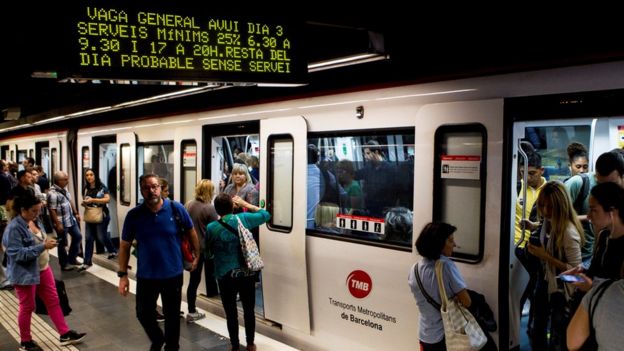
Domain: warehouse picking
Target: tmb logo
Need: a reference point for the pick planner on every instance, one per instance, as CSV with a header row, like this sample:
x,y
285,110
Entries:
x,y
359,284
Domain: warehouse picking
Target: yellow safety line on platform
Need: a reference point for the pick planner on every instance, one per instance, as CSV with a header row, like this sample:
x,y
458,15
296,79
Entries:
x,y
46,336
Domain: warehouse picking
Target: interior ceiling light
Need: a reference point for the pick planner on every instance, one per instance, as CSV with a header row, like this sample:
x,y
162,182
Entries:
x,y
346,61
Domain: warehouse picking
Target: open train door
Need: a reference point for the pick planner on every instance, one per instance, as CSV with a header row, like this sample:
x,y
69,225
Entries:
x,y
126,175
283,165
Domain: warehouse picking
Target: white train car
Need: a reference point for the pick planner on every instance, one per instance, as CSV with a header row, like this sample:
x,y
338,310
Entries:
x,y
336,271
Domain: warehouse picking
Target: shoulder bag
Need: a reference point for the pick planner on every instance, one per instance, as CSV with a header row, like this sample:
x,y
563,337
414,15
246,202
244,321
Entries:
x,y
251,254
93,214
461,330
185,244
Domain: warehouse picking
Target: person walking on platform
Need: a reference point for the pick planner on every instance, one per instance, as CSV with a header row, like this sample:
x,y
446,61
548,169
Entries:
x,y
223,242
66,221
154,225
202,212
29,271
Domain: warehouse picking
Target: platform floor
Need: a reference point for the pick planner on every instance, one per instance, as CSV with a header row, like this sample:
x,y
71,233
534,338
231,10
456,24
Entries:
x,y
109,319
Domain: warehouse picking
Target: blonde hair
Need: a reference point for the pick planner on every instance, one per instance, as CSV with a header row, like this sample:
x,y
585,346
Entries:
x,y
563,212
325,214
204,191
242,169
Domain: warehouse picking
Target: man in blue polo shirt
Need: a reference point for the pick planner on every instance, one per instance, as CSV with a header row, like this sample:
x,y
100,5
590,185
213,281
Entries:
x,y
153,225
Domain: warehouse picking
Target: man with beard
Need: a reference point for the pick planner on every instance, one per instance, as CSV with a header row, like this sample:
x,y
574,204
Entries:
x,y
154,225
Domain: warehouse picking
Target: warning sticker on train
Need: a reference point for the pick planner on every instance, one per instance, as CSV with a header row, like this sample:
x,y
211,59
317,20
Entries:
x,y
361,223
460,167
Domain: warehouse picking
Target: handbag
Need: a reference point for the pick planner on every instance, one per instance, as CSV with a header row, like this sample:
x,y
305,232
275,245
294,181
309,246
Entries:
x,y
185,244
93,214
461,330
40,307
251,254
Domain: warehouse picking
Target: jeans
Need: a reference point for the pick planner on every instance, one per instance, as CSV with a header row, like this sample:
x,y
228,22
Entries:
x,y
92,230
64,257
170,291
207,266
246,287
47,292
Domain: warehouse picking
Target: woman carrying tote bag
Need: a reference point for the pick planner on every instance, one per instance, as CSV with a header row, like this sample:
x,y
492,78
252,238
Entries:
x,y
96,197
435,242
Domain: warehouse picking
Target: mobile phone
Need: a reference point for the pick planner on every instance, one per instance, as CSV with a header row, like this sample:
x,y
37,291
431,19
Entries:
x,y
570,278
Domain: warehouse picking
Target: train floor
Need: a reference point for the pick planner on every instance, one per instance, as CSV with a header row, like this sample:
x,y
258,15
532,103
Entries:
x,y
109,319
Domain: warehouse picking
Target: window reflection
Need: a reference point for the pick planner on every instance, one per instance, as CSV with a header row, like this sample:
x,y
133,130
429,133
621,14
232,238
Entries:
x,y
361,186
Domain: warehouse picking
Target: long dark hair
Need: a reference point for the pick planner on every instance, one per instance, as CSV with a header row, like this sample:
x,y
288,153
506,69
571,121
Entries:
x,y
98,182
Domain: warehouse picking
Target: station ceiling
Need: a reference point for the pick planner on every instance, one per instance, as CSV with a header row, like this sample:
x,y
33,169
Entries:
x,y
422,46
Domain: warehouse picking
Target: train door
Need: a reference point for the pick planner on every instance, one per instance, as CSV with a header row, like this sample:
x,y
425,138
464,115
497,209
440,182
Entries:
x,y
283,163
229,144
549,139
126,174
188,146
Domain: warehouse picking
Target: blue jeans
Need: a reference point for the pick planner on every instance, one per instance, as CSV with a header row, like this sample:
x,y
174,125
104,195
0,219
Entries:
x,y
65,257
93,230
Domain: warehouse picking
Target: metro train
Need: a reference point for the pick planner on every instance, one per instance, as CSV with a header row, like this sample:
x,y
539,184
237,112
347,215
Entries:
x,y
336,265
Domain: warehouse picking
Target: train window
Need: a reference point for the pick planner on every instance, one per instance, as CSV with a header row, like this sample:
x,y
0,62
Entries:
x,y
280,184
189,170
86,163
551,142
124,173
156,159
21,156
361,186
459,179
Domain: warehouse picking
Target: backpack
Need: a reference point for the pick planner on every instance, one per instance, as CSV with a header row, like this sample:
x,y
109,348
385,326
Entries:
x,y
582,194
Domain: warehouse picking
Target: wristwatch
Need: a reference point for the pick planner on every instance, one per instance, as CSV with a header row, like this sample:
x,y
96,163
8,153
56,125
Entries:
x,y
121,274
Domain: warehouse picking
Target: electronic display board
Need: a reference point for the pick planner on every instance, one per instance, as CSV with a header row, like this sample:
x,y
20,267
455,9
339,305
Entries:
x,y
151,41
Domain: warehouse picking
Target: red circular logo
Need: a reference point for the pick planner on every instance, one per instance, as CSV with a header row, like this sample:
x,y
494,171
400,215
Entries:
x,y
359,284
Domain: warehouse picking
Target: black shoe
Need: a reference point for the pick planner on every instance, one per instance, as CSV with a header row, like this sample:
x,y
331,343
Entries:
x,y
112,256
84,267
160,317
72,337
30,346
7,287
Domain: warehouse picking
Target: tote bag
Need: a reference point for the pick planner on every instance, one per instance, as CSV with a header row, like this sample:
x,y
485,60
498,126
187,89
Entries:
x,y
93,214
249,247
461,331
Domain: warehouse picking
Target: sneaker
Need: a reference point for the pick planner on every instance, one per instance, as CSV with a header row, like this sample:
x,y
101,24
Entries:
x,y
194,316
72,337
159,316
69,267
112,256
84,267
29,346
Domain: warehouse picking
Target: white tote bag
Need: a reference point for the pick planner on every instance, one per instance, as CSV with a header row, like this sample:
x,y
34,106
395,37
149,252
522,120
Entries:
x,y
461,331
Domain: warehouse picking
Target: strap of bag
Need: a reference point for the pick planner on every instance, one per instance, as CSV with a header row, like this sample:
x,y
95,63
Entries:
x,y
228,227
438,269
594,302
177,218
422,289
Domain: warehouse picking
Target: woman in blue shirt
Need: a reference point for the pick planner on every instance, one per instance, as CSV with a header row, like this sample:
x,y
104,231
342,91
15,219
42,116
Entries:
x,y
436,242
230,271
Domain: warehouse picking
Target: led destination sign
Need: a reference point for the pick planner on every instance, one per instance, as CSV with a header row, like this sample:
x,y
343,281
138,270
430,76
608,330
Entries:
x,y
123,41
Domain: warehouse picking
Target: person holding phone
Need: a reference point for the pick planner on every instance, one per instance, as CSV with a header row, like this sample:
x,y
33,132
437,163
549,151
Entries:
x,y
606,214
29,271
559,250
